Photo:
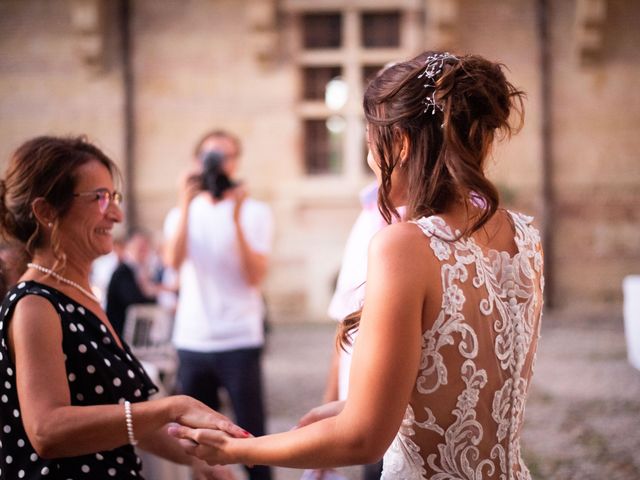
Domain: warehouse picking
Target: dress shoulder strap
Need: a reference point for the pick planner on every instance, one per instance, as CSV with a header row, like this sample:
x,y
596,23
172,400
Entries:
x,y
23,289
442,238
435,226
527,236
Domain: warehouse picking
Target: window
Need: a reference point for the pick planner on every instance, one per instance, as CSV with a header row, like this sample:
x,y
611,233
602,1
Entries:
x,y
323,145
322,30
316,79
369,72
381,30
340,48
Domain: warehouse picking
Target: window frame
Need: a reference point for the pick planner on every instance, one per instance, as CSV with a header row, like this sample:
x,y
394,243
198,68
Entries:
x,y
352,57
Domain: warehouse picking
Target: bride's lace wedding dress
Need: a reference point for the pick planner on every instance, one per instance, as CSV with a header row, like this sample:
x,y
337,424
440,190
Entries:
x,y
467,406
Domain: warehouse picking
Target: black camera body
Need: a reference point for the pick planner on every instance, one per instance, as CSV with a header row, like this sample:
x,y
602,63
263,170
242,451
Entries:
x,y
213,178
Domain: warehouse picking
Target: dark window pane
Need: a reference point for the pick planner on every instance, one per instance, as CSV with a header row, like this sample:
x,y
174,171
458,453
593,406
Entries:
x,y
369,72
380,30
322,146
315,81
322,30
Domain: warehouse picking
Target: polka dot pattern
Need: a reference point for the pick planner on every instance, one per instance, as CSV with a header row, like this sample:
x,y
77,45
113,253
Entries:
x,y
98,372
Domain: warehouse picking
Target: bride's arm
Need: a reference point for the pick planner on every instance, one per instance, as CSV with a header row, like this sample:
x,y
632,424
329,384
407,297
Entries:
x,y
384,368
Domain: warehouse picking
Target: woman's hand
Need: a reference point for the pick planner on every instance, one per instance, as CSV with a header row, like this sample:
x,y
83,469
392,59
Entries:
x,y
195,414
327,410
206,444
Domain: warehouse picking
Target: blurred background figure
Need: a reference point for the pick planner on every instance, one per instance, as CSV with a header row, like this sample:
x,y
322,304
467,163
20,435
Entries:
x,y
103,267
220,239
134,280
349,297
13,263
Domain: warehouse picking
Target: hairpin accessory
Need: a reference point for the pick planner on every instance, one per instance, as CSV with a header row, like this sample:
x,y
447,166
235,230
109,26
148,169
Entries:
x,y
434,66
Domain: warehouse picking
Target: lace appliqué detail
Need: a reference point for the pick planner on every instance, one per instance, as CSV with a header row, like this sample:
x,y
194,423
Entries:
x,y
460,452
403,447
513,286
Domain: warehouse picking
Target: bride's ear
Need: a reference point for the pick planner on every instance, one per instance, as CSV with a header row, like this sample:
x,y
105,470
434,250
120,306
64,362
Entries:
x,y
404,148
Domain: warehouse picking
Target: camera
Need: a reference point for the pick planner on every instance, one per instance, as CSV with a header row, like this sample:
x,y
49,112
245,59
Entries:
x,y
213,178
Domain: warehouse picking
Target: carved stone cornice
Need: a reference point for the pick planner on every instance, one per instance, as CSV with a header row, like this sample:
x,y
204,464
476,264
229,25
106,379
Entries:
x,y
262,16
441,24
590,22
88,23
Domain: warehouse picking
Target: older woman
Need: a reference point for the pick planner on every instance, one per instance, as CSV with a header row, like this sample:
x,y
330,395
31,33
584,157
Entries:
x,y
73,400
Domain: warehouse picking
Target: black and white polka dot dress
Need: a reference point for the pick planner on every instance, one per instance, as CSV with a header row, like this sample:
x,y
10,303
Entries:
x,y
99,372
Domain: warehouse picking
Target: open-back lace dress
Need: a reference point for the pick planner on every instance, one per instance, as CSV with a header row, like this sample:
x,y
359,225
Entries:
x,y
466,410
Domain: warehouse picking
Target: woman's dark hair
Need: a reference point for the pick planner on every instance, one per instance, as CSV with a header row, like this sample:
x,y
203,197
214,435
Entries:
x,y
43,167
450,121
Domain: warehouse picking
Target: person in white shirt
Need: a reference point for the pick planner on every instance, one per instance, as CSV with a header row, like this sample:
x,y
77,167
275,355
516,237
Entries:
x,y
219,239
348,297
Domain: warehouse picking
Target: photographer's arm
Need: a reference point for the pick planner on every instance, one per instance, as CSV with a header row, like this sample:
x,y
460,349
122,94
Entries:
x,y
254,264
175,250
176,247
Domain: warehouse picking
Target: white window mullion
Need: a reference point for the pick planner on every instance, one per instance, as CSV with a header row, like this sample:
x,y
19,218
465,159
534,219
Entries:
x,y
353,77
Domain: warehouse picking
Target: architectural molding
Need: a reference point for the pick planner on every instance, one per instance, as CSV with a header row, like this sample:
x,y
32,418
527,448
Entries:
x,y
262,18
590,22
442,18
331,5
88,23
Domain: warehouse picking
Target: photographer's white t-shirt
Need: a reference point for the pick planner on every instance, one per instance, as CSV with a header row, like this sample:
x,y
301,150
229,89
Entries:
x,y
217,309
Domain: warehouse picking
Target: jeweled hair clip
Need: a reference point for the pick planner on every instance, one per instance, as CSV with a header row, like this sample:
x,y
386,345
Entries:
x,y
434,66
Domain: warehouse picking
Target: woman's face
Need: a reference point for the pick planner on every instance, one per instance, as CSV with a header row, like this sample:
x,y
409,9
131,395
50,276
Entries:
x,y
86,229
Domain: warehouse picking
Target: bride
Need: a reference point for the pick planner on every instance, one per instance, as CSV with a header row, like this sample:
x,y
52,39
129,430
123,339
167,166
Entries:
x,y
448,332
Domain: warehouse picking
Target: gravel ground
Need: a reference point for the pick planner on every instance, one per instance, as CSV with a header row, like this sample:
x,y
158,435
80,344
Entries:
x,y
583,414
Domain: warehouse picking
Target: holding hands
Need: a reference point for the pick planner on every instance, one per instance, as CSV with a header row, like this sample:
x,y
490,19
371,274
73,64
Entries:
x,y
213,439
208,444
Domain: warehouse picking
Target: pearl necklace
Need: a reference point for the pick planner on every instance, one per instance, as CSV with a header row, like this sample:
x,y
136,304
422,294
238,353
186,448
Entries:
x,y
59,277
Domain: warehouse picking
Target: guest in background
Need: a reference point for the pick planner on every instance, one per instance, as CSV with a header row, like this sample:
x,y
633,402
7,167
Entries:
x,y
13,263
219,239
103,267
131,282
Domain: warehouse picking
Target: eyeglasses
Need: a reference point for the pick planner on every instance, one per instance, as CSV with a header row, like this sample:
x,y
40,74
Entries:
x,y
104,197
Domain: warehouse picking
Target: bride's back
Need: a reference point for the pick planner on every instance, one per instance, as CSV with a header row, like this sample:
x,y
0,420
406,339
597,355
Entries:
x,y
432,122
478,350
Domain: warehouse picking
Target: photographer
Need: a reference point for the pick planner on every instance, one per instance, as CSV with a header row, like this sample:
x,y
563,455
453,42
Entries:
x,y
219,240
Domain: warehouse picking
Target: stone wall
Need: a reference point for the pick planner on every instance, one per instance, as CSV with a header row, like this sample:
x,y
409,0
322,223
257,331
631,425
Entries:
x,y
195,67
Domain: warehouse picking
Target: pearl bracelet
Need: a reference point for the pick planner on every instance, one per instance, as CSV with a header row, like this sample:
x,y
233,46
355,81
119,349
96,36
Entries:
x,y
129,421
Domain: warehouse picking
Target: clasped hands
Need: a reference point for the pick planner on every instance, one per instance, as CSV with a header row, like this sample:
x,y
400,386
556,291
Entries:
x,y
213,442
208,444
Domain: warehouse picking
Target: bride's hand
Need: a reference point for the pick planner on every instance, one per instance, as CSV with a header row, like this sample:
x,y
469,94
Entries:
x,y
206,444
327,410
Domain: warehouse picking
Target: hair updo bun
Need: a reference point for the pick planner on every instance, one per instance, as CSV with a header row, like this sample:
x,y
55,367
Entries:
x,y
450,108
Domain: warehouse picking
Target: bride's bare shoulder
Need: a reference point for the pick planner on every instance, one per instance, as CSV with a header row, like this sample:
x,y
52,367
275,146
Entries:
x,y
402,240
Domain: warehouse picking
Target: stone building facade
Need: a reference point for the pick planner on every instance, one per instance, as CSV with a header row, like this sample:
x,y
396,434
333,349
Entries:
x,y
144,79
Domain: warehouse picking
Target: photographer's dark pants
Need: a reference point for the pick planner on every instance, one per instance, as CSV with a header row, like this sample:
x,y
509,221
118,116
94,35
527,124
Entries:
x,y
239,372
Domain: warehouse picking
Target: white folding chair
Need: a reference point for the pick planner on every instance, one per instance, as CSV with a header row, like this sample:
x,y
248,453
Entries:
x,y
147,330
